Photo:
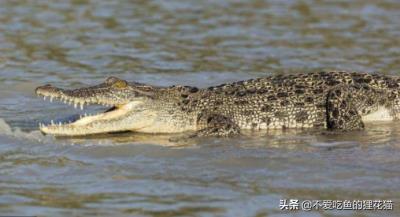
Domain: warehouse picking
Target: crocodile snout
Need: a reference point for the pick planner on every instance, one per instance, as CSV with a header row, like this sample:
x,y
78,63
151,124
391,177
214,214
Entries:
x,y
48,88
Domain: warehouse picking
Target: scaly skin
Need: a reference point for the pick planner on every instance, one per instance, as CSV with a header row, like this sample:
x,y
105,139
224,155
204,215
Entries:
x,y
334,100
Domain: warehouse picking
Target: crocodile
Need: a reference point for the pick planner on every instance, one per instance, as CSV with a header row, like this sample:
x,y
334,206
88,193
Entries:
x,y
328,100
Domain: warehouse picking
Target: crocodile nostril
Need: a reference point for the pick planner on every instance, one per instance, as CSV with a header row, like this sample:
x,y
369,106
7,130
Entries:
x,y
45,87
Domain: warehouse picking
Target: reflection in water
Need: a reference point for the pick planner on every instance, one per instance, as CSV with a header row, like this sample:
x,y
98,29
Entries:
x,y
77,42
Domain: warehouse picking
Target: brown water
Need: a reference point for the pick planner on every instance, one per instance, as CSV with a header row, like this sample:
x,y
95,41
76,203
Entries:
x,y
80,42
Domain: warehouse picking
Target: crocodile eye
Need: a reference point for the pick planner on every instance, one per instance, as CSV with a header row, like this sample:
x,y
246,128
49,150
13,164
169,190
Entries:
x,y
120,84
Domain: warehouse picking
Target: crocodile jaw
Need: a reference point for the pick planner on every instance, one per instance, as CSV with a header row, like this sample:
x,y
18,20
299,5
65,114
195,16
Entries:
x,y
129,102
135,107
123,118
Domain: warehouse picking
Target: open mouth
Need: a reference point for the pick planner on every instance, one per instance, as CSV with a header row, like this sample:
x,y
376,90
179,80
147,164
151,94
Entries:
x,y
106,121
83,118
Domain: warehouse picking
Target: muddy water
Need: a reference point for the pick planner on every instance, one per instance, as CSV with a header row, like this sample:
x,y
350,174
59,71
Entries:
x,y
79,42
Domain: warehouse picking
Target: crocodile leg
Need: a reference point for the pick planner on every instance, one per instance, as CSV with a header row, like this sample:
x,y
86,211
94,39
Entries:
x,y
347,103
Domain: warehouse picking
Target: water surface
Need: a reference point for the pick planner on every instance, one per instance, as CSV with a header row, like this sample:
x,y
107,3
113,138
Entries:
x,y
81,42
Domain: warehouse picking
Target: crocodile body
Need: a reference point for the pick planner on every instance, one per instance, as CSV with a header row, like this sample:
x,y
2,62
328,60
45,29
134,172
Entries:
x,y
330,100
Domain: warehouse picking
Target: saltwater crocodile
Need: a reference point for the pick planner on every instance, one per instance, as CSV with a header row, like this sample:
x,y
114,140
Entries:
x,y
329,100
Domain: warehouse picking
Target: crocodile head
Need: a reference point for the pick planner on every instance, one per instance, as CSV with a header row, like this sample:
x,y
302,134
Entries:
x,y
129,107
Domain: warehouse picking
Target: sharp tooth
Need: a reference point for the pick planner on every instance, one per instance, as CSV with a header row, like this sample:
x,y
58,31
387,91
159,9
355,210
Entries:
x,y
74,105
82,105
51,99
44,98
59,124
52,122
